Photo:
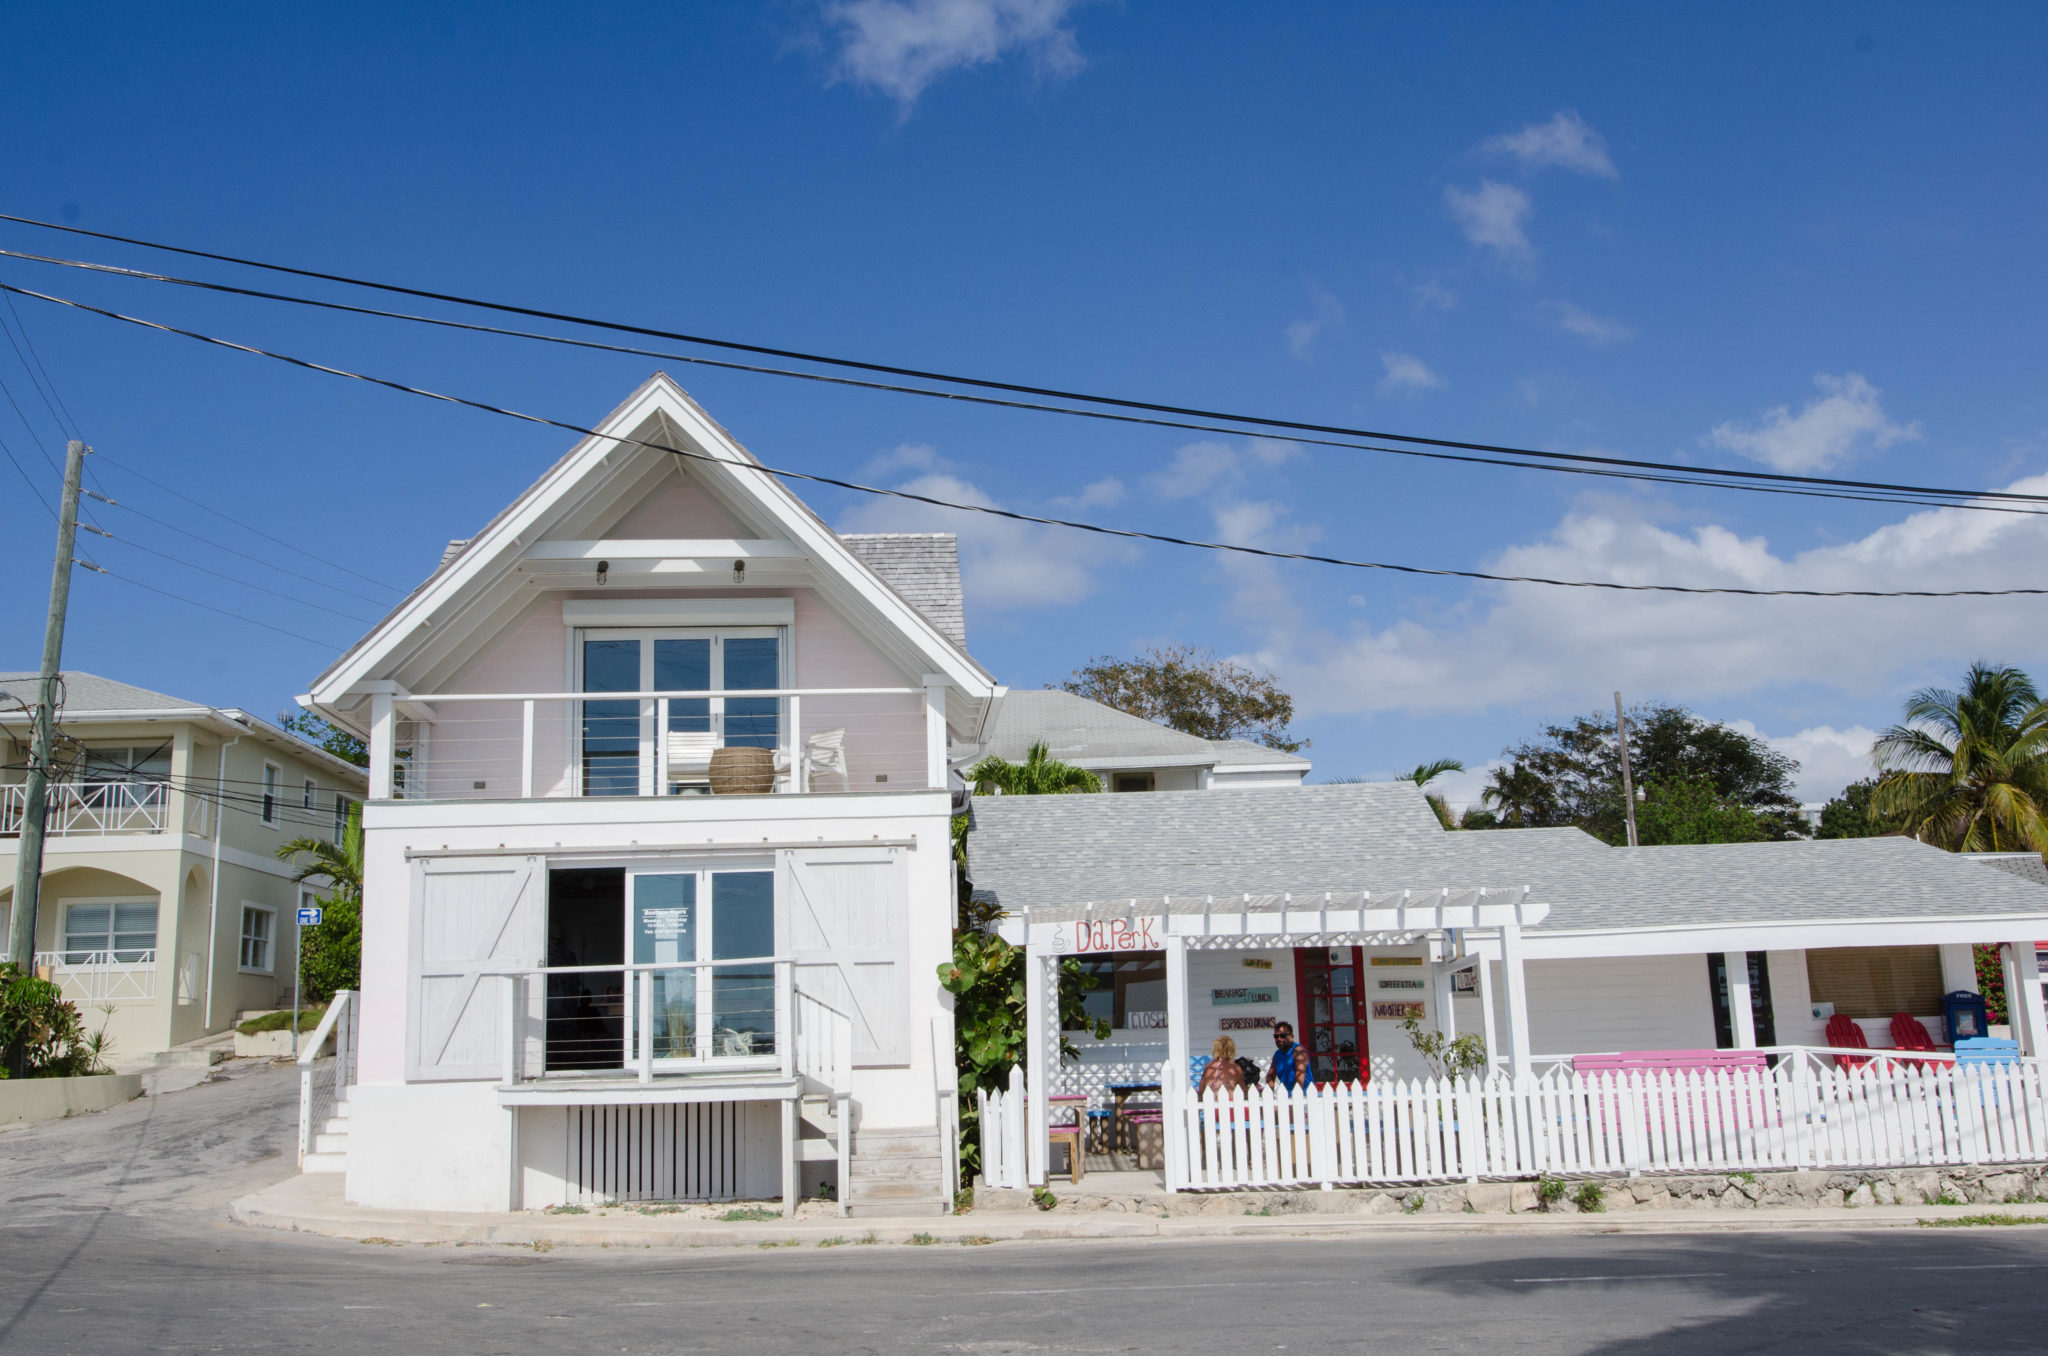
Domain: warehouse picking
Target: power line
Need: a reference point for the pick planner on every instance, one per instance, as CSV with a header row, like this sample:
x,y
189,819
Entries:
x,y
1296,427
67,420
62,428
1129,534
1694,478
33,488
126,507
194,602
192,565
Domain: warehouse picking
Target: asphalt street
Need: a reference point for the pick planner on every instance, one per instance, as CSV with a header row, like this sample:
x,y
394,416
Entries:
x,y
113,1240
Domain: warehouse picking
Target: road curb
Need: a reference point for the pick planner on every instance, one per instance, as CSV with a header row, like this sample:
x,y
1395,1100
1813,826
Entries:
x,y
312,1205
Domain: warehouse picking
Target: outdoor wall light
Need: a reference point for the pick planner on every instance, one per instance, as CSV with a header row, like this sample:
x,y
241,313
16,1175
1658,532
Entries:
x,y
604,569
739,572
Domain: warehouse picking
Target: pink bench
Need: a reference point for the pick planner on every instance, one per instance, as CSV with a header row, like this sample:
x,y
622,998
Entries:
x,y
1663,1061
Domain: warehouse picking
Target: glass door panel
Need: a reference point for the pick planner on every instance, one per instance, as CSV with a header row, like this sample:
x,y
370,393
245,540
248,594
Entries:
x,y
1333,1014
611,730
742,996
663,922
685,666
752,722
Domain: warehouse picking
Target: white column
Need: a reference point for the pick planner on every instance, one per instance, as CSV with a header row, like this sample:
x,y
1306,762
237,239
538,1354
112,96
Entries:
x,y
1958,968
2023,1005
1037,1059
935,733
1439,998
383,732
1486,1013
1741,1016
1177,1052
1518,999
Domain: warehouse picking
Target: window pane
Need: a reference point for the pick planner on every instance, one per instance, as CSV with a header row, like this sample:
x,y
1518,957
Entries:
x,y
134,931
685,666
743,997
664,923
611,730
85,931
753,662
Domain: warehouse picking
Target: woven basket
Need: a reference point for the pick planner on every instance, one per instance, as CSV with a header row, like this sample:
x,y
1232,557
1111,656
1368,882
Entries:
x,y
742,772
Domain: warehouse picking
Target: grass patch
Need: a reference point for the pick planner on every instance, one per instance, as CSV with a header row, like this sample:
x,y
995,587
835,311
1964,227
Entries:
x,y
1043,1198
567,1210
1549,1191
1949,1198
281,1021
781,1243
963,1200
1264,1210
749,1213
1976,1221
380,1242
1742,1178
1591,1198
657,1209
922,1240
974,1241
834,1242
868,1237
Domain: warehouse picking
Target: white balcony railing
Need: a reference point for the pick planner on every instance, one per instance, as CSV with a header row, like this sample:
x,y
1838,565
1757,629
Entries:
x,y
99,977
91,808
500,745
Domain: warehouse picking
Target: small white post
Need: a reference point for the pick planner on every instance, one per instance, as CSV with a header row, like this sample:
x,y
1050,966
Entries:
x,y
1173,1125
383,733
2023,1006
1741,1015
799,761
1440,998
785,1024
1038,1009
1486,1014
644,1024
935,685
512,1006
1518,1000
526,749
792,1181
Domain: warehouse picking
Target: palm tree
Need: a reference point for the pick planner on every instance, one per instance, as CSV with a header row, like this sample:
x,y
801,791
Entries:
x,y
1423,774
1038,775
341,864
1968,770
1520,794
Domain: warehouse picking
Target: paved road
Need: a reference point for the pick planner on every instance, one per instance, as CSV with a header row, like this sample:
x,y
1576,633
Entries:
x,y
112,1241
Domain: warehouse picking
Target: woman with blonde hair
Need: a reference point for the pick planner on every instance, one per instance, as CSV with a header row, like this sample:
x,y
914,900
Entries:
x,y
1221,1074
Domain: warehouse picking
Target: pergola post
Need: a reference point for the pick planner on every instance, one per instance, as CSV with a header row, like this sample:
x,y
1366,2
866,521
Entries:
x,y
1041,1011
1440,995
1486,1023
1177,1051
1518,999
1741,1015
2023,1007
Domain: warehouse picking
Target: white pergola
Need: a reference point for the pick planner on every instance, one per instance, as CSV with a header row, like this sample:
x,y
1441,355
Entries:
x,y
1465,926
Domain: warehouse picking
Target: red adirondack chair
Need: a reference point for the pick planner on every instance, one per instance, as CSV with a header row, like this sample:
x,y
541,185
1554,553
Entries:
x,y
1909,1034
1845,1034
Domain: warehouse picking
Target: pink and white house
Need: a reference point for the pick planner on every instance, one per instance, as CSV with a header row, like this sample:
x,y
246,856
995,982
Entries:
x,y
658,869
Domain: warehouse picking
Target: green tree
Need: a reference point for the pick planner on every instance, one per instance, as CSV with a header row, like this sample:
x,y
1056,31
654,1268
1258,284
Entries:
x,y
1194,692
321,735
1694,811
1519,796
1851,815
1038,775
1423,774
331,955
1580,767
1968,770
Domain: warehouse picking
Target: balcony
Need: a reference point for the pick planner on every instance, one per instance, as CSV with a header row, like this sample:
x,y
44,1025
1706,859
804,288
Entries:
x,y
784,741
97,978
108,807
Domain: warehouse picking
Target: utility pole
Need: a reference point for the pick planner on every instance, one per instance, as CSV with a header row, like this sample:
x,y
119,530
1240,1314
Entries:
x,y
28,866
1628,784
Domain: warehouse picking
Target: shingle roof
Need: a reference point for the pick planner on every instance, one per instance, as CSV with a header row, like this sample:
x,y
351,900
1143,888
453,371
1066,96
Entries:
x,y
1055,851
84,692
922,566
1089,734
2025,865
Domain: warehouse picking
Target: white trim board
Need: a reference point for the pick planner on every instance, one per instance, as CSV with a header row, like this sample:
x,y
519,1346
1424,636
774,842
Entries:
x,y
1775,935
603,612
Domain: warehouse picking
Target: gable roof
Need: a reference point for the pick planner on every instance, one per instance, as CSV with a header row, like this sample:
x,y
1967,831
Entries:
x,y
1055,852
1088,734
922,566
477,586
88,693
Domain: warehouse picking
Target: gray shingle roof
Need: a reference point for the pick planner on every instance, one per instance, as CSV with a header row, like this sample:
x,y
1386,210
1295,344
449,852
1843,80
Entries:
x,y
1055,851
85,692
922,566
2025,865
1089,734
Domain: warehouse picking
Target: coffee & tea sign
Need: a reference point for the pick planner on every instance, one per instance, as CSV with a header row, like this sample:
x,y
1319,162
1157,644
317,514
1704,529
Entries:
x,y
1110,934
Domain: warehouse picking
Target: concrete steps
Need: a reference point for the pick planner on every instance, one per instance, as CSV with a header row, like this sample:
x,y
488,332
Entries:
x,y
897,1172
330,1144
203,1053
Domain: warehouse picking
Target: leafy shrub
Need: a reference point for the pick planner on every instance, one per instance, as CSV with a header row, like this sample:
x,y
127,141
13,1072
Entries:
x,y
281,1021
41,1034
1043,1199
1549,1191
1590,1197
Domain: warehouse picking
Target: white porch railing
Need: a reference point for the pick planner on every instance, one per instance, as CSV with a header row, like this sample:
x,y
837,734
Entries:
x,y
1002,1132
505,745
1796,1116
97,977
824,1061
322,1089
90,807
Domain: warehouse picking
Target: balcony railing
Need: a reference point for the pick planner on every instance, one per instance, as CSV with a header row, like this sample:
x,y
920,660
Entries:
x,y
97,977
467,745
91,808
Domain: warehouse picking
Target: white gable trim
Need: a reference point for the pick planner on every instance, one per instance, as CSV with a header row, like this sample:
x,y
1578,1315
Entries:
x,y
680,612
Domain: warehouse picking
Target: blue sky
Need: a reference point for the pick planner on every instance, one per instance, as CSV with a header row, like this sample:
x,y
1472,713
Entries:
x,y
1741,235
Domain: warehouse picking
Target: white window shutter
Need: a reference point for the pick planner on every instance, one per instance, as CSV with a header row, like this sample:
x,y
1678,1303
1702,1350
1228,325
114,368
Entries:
x,y
845,913
472,918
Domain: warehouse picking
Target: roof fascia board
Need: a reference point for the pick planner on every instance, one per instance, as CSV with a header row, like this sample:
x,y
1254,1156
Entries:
x,y
1777,935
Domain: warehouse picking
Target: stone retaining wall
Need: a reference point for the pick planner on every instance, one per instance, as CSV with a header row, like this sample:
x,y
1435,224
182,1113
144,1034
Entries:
x,y
2004,1183
50,1099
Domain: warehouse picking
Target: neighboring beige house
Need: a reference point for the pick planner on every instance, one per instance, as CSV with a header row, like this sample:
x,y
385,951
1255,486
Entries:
x,y
154,847
1127,752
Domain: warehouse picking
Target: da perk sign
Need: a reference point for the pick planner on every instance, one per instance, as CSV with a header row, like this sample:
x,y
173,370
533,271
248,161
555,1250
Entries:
x,y
1110,934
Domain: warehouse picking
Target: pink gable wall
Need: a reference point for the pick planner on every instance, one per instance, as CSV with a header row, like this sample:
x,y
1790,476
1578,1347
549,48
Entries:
x,y
678,510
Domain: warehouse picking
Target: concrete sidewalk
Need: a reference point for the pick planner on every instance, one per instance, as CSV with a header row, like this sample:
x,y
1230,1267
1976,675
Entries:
x,y
313,1204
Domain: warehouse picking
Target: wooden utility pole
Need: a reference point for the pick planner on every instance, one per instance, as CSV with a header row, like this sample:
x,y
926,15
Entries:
x,y
28,866
1628,783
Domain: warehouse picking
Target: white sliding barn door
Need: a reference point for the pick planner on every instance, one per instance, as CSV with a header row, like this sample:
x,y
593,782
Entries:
x,y
472,919
845,914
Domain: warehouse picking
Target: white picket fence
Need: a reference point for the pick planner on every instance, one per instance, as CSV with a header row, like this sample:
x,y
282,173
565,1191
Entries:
x,y
1003,1127
1710,1121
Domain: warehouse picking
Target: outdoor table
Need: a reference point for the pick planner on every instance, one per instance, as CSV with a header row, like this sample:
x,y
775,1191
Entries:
x,y
1123,1092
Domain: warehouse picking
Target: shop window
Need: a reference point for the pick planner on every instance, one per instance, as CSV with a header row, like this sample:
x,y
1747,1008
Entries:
x,y
1130,992
1876,981
1132,781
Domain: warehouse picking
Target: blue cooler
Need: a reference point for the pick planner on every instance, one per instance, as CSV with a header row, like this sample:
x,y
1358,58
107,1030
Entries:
x,y
1964,1014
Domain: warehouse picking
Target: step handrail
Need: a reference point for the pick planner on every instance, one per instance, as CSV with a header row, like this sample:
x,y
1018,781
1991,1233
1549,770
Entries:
x,y
332,1023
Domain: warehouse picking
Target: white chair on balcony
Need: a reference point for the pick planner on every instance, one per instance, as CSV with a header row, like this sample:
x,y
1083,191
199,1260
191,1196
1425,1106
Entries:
x,y
689,754
824,751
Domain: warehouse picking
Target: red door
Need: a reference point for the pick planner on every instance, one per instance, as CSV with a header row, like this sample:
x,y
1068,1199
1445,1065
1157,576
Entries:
x,y
1333,1012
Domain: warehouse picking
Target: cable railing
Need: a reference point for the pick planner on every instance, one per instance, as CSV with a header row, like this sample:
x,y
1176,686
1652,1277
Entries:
x,y
100,807
501,746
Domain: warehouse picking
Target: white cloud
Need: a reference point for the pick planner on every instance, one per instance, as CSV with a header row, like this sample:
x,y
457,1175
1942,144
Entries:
x,y
1325,310
1843,421
1598,331
1109,490
904,457
1829,759
1492,215
899,47
1003,563
1565,142
1405,372
1198,468
1431,295
1514,646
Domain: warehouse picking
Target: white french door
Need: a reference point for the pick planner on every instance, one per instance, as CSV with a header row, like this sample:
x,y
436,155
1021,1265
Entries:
x,y
622,740
715,1009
